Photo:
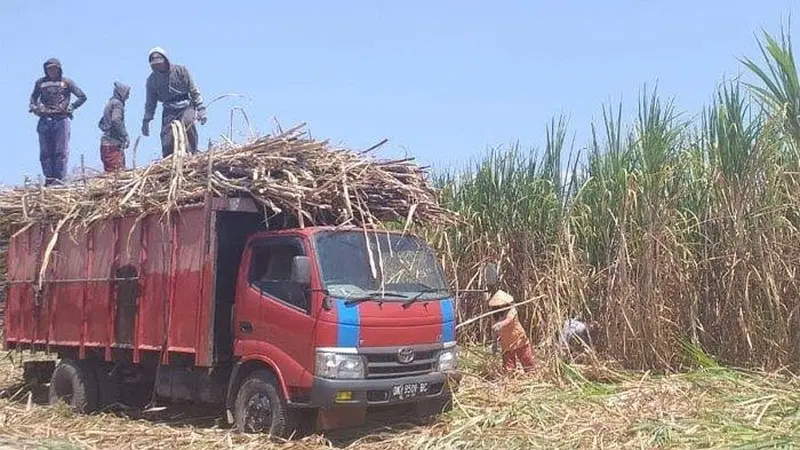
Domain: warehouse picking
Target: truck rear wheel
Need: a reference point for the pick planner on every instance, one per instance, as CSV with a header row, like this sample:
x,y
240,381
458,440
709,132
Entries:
x,y
260,408
74,383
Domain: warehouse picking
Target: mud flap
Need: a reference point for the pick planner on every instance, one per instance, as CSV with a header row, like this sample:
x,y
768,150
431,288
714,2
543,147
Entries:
x,y
340,417
433,407
38,372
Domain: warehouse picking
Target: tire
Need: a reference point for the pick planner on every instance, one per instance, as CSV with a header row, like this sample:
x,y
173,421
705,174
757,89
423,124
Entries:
x,y
75,383
260,391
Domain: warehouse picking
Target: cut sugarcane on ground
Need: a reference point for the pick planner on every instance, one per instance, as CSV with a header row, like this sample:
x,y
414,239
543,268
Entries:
x,y
592,406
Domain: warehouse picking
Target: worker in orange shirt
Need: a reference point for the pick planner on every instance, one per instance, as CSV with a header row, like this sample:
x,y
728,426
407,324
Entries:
x,y
514,342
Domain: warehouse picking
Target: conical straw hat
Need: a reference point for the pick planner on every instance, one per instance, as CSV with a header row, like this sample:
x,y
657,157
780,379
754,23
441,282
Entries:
x,y
501,298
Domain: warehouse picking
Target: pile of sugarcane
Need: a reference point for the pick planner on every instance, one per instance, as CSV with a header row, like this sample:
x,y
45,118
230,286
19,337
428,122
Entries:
x,y
288,173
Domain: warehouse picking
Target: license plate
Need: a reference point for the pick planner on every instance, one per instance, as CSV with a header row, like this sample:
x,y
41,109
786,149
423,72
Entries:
x,y
409,390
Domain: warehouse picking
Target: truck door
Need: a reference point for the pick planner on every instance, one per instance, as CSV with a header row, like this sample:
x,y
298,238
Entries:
x,y
273,308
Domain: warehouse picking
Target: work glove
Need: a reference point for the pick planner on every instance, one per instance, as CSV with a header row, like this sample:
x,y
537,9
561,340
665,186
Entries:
x,y
201,117
36,110
145,128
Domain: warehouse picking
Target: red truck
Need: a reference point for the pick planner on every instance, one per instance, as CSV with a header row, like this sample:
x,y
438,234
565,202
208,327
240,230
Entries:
x,y
217,305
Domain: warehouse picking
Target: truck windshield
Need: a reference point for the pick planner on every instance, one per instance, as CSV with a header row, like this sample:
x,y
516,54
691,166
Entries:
x,y
404,266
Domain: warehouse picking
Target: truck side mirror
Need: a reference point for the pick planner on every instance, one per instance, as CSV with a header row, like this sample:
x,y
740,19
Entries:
x,y
492,276
301,270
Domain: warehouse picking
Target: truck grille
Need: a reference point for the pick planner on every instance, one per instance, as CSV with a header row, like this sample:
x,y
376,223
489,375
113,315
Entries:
x,y
387,365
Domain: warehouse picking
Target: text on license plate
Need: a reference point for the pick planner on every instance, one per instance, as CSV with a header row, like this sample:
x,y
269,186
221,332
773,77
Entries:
x,y
409,390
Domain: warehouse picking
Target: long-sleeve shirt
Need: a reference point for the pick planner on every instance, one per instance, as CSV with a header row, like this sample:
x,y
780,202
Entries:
x,y
511,335
112,124
175,89
52,97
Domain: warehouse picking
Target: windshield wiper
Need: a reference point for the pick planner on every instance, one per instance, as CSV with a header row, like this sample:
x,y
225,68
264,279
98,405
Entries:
x,y
413,299
371,296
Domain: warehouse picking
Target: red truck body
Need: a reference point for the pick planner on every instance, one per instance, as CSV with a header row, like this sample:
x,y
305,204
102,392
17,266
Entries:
x,y
192,306
80,305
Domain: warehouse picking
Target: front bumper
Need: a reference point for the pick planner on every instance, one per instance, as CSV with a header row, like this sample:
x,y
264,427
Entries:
x,y
327,393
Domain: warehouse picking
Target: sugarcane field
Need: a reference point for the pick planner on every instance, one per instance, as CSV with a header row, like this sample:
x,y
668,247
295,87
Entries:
x,y
221,277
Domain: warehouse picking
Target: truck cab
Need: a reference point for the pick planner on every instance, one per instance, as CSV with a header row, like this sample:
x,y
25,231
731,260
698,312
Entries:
x,y
338,320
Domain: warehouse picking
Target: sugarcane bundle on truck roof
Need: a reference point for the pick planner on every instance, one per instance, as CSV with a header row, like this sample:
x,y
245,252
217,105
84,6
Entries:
x,y
289,174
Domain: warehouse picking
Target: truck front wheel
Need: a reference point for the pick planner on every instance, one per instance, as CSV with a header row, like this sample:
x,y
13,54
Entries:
x,y
74,383
260,408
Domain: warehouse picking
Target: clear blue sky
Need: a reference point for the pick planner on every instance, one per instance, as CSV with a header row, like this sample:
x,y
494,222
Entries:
x,y
443,80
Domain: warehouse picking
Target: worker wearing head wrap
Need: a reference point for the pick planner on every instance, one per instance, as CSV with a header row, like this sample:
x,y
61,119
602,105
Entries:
x,y
514,343
173,86
115,135
50,101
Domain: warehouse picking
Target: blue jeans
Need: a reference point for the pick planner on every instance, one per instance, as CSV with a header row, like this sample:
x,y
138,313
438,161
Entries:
x,y
53,147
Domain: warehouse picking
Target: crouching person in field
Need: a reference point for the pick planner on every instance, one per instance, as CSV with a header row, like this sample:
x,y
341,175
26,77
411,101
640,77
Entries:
x,y
115,136
575,338
514,342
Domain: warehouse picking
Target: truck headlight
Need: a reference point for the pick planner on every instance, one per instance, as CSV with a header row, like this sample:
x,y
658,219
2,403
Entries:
x,y
448,360
339,365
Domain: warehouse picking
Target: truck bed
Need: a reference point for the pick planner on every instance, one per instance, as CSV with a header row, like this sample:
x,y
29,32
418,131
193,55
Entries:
x,y
125,288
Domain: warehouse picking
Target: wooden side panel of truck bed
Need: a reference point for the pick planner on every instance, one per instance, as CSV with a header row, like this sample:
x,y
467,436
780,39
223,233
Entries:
x,y
89,299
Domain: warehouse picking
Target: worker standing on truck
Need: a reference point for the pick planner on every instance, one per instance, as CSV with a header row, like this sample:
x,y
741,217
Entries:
x,y
173,86
115,135
50,101
514,342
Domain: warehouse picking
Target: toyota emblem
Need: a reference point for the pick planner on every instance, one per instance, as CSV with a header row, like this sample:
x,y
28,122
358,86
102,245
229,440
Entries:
x,y
405,355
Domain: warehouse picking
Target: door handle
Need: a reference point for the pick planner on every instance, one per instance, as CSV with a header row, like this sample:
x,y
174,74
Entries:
x,y
245,327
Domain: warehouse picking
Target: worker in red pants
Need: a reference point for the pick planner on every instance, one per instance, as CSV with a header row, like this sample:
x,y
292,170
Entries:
x,y
115,135
514,342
